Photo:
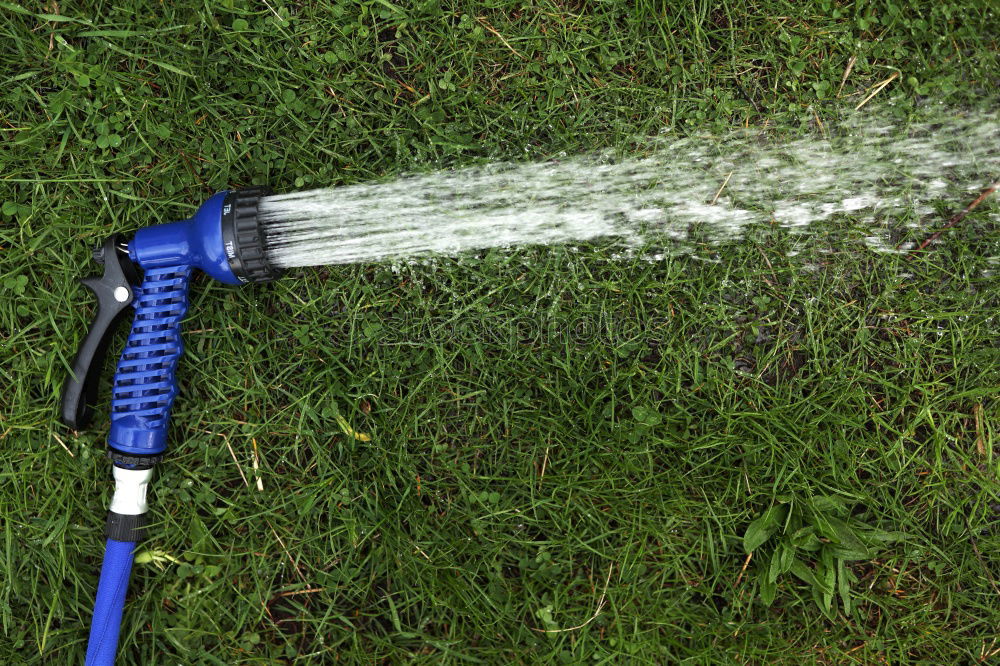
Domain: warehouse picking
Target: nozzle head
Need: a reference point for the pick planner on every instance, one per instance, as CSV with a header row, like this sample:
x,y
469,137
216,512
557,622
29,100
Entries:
x,y
223,238
243,236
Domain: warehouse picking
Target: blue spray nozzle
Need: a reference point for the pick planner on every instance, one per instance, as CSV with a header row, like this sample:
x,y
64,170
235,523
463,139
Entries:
x,y
223,239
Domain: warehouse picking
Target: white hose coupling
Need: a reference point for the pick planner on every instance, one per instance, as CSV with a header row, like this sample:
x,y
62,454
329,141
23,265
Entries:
x,y
130,491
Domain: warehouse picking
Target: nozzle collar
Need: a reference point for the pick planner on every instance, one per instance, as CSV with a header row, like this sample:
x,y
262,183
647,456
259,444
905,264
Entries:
x,y
243,236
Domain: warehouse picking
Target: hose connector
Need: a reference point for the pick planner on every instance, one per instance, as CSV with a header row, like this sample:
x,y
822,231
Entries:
x,y
127,514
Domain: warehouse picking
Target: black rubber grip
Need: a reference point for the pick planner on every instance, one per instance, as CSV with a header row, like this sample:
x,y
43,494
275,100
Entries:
x,y
122,527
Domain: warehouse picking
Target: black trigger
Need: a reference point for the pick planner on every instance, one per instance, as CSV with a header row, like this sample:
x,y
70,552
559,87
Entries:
x,y
80,388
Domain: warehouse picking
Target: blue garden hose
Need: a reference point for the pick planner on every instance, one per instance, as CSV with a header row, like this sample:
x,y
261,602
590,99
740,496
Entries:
x,y
224,240
110,602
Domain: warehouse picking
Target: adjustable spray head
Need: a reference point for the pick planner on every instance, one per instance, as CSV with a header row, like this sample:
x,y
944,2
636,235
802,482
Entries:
x,y
223,239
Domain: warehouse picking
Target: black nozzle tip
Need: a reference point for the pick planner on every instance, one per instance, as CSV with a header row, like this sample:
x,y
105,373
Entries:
x,y
243,235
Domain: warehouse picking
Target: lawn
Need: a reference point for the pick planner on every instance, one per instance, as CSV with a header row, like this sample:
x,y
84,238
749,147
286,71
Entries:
x,y
543,455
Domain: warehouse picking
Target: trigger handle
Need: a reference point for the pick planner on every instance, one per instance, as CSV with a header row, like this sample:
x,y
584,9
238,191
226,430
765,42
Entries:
x,y
114,292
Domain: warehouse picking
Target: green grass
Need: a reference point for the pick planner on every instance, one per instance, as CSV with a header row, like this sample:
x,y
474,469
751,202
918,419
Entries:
x,y
549,429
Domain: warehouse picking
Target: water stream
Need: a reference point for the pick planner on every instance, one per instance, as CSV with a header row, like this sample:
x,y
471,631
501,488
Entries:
x,y
879,175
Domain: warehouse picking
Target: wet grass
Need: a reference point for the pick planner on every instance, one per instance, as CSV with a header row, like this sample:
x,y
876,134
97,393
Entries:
x,y
536,456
